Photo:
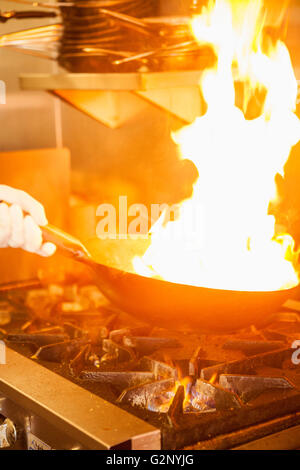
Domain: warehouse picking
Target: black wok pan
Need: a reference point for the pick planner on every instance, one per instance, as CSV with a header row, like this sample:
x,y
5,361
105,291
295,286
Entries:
x,y
172,305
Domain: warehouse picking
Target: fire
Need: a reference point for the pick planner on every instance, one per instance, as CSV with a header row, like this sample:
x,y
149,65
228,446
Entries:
x,y
213,378
225,237
163,402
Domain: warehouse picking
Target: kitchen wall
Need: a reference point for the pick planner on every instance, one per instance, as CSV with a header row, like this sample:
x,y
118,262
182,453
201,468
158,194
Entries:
x,y
27,119
139,150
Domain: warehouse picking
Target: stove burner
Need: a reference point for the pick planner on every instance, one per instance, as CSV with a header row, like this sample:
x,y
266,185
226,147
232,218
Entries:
x,y
233,382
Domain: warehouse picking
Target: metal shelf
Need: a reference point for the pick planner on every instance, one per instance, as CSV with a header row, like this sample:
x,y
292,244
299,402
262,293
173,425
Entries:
x,y
110,81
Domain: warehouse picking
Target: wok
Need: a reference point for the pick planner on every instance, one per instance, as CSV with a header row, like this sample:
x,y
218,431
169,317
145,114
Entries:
x,y
172,305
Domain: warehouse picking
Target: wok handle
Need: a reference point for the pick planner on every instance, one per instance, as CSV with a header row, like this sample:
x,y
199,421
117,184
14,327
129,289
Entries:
x,y
66,243
25,14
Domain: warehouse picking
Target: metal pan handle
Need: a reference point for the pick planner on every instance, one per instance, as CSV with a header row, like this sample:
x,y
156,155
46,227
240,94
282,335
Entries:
x,y
66,243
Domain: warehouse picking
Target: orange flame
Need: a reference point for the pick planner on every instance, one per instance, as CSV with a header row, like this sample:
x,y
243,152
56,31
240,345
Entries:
x,y
213,378
186,383
224,237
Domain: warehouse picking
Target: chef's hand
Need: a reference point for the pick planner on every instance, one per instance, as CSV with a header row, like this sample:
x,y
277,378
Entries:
x,y
20,219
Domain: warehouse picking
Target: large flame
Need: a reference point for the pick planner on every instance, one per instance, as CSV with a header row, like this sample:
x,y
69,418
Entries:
x,y
224,237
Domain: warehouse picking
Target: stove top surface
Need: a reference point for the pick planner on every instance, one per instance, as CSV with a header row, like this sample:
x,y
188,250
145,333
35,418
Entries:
x,y
212,391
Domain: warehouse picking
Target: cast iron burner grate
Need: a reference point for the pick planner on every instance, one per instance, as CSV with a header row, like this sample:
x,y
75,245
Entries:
x,y
210,390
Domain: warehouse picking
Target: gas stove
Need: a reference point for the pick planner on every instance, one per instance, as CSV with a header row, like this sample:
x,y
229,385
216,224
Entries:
x,y
80,374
